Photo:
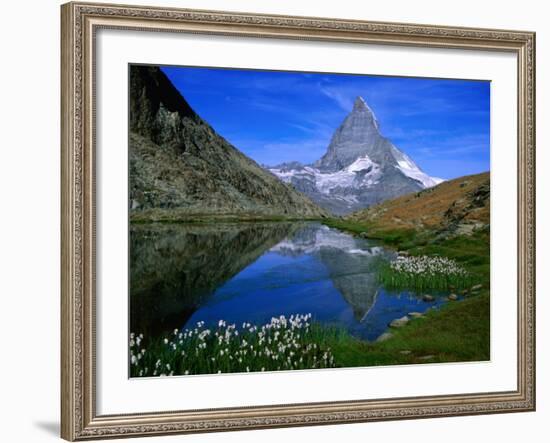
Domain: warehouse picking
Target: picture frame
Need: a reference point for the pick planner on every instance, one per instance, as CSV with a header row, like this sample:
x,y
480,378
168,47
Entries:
x,y
81,22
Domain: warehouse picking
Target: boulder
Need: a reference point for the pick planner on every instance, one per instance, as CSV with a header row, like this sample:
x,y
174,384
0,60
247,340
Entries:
x,y
428,297
399,322
415,314
385,336
477,287
453,297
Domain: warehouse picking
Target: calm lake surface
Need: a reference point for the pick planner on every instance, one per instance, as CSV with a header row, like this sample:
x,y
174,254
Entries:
x,y
185,273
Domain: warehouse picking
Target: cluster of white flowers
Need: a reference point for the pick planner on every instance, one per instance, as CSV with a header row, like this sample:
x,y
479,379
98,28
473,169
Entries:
x,y
137,353
425,265
281,344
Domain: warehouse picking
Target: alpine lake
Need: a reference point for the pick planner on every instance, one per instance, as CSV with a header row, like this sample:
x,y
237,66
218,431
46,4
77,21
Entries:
x,y
250,272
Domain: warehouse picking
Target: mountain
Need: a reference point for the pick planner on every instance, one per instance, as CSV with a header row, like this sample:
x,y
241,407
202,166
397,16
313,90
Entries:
x,y
459,206
180,167
359,169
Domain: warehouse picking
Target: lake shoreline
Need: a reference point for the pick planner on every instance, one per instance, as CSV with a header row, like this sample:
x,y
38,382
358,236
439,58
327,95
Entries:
x,y
458,319
172,217
410,344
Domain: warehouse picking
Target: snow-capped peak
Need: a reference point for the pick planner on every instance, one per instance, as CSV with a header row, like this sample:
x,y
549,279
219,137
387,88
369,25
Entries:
x,y
359,169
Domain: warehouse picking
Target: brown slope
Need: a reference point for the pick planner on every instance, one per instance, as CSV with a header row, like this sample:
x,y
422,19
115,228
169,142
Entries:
x,y
460,205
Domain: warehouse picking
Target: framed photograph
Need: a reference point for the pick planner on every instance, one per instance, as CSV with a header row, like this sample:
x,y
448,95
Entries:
x,y
281,221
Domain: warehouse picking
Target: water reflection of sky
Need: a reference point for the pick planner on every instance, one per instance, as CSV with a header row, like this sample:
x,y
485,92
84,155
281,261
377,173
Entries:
x,y
320,271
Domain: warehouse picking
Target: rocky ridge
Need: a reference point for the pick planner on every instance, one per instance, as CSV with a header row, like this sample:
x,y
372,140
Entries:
x,y
179,165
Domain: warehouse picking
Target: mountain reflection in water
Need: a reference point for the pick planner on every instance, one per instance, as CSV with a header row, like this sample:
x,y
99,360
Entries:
x,y
182,274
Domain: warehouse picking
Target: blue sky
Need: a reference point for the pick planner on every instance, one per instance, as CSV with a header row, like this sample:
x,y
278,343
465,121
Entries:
x,y
275,117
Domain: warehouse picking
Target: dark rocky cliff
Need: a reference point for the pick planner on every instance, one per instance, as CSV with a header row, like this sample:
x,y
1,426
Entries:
x,y
179,166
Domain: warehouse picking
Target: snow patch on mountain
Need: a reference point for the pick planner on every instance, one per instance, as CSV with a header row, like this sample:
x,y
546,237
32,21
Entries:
x,y
409,168
362,173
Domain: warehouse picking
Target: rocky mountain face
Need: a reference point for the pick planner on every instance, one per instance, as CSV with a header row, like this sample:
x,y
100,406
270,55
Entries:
x,y
179,166
359,169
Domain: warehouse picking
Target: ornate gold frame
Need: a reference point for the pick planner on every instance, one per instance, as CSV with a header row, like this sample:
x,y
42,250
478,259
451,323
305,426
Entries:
x,y
80,21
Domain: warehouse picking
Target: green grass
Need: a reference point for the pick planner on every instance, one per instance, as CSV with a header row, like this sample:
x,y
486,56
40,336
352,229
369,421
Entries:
x,y
282,344
472,252
393,238
458,331
422,282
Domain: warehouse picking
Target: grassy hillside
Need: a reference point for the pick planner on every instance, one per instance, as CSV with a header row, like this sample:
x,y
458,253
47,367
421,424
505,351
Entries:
x,y
458,206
